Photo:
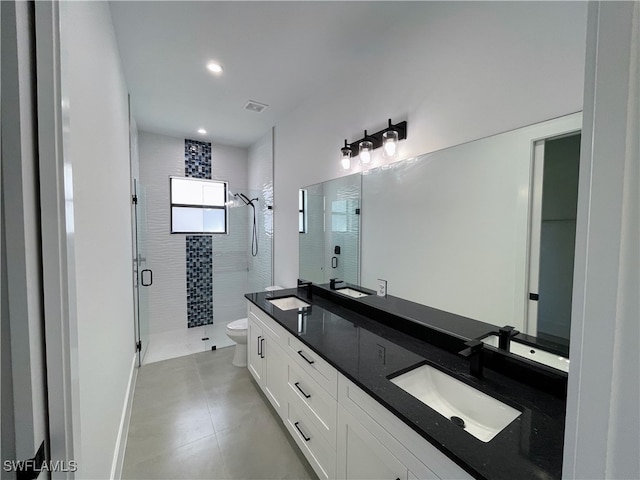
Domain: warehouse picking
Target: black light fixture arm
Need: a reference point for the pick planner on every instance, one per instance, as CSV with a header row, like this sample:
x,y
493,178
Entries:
x,y
376,138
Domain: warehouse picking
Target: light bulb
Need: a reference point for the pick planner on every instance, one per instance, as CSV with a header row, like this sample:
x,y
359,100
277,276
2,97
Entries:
x,y
390,143
345,158
366,148
214,67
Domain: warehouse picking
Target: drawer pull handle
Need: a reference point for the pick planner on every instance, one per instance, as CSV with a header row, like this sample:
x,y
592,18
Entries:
x,y
262,347
259,344
306,439
303,356
297,384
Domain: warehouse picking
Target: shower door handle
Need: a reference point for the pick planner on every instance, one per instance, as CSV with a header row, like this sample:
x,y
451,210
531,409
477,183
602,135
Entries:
x,y
150,278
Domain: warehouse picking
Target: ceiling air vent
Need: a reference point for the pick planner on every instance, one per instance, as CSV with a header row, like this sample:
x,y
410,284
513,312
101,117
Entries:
x,y
254,106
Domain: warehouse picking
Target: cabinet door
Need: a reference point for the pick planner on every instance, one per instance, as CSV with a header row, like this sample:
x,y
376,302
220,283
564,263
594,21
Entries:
x,y
255,341
274,374
361,456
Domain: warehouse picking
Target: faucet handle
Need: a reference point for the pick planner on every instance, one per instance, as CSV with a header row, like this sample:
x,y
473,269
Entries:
x,y
474,353
508,330
474,346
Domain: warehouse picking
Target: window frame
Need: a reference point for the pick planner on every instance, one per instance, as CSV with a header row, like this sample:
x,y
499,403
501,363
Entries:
x,y
203,206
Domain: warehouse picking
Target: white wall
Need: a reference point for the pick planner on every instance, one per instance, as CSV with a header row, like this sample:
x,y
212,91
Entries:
x,y
260,184
602,432
231,252
96,95
462,71
162,156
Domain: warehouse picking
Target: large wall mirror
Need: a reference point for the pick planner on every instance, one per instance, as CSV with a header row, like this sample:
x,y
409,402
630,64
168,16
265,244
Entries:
x,y
330,230
484,229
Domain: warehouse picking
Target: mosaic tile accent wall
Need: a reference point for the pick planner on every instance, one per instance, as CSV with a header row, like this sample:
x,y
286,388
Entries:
x,y
199,280
197,159
199,248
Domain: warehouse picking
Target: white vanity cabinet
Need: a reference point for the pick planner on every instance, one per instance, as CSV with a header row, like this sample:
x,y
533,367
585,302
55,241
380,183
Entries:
x,y
266,358
361,456
342,431
374,444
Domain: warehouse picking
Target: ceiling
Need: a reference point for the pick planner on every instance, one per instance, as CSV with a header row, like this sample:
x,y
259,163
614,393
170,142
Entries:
x,y
276,53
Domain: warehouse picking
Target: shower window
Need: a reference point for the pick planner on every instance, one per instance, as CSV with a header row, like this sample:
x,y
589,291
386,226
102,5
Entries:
x,y
198,206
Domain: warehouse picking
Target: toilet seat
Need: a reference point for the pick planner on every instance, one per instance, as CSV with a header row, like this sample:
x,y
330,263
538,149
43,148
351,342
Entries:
x,y
241,324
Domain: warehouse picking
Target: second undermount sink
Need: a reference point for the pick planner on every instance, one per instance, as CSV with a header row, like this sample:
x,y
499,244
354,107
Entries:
x,y
288,303
478,413
352,292
532,353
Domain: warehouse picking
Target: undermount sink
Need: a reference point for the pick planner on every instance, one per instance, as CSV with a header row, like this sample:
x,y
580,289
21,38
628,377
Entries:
x,y
288,303
532,353
478,413
352,292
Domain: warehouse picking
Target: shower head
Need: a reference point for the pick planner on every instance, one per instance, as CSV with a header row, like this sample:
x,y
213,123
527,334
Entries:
x,y
245,199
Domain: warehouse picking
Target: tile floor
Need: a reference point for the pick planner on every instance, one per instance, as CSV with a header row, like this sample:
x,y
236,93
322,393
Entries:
x,y
199,417
186,341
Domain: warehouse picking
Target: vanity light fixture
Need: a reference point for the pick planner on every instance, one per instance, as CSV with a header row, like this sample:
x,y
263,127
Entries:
x,y
387,138
345,156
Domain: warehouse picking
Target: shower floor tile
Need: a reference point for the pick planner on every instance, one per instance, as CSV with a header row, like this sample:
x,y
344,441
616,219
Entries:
x,y
186,341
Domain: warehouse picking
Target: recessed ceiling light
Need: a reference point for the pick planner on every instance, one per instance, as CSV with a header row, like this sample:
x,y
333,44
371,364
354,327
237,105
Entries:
x,y
202,131
214,67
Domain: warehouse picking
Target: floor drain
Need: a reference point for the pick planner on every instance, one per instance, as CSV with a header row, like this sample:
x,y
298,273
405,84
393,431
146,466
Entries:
x,y
457,421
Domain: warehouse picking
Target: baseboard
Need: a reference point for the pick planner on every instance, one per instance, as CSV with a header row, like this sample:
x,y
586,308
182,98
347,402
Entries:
x,y
123,432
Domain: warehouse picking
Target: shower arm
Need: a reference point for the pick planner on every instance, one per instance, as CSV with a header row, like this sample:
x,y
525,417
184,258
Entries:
x,y
245,199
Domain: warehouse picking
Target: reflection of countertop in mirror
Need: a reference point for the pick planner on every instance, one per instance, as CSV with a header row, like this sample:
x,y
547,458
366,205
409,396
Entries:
x,y
529,447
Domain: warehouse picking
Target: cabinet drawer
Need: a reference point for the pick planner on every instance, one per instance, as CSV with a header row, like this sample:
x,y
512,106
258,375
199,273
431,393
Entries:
x,y
320,454
314,366
277,332
311,398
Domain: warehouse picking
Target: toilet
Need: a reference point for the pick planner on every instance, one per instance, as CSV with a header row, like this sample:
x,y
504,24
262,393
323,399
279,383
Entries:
x,y
237,331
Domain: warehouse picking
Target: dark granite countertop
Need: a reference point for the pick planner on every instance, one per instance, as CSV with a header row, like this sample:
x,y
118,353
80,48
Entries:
x,y
368,352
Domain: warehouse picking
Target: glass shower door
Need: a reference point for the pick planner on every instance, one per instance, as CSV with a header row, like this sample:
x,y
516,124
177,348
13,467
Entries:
x,y
143,274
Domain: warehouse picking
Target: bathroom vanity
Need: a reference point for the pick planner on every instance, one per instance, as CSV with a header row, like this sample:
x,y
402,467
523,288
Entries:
x,y
359,385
